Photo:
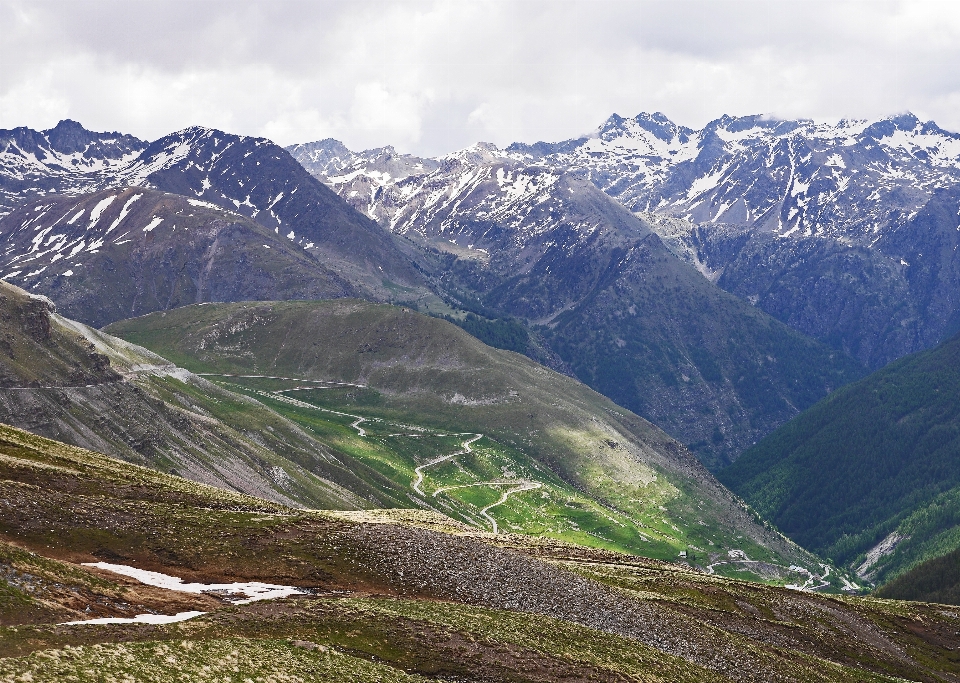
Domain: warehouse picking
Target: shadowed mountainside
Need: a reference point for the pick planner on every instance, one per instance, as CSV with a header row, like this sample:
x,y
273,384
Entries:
x,y
870,475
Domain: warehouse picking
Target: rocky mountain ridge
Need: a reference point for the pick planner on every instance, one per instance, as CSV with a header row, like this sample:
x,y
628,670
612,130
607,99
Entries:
x,y
64,159
825,227
821,225
249,176
119,253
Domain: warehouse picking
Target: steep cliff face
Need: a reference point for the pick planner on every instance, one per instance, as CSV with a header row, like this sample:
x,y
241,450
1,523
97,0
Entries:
x,y
35,351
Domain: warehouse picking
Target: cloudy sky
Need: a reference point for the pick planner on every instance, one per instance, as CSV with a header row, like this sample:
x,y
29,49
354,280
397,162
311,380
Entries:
x,y
432,76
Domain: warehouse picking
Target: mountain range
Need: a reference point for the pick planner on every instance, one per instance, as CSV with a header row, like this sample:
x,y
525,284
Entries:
x,y
607,250
598,292
250,177
298,336
604,251
599,285
840,231
832,229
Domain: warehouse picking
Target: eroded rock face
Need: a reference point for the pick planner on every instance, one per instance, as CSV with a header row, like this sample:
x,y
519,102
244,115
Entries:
x,y
36,351
35,319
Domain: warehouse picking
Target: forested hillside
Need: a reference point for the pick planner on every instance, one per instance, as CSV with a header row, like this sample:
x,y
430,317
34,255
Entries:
x,y
875,461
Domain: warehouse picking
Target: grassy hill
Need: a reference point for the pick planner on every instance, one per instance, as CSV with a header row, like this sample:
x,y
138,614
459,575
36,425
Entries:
x,y
64,380
390,597
572,464
870,476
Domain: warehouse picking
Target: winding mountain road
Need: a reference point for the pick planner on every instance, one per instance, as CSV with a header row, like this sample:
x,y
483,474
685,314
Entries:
x,y
419,470
528,486
518,485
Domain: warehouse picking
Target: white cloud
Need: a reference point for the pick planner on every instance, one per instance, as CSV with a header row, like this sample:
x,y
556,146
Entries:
x,y
432,76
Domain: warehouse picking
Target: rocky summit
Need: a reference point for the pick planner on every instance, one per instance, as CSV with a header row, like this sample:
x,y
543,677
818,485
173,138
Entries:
x,y
796,217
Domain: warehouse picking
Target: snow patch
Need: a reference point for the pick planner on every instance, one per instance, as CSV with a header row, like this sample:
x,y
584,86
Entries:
x,y
99,209
254,590
123,212
139,619
206,205
152,224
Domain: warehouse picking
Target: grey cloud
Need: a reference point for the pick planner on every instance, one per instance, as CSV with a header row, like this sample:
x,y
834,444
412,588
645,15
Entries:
x,y
430,77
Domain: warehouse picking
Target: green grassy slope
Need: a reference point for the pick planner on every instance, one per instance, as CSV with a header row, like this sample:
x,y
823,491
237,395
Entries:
x,y
406,597
875,460
67,381
604,476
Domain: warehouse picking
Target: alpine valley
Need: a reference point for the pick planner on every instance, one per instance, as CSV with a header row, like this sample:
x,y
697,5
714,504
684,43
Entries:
x,y
315,414
592,285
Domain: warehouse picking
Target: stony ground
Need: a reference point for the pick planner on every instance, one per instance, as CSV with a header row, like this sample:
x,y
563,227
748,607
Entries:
x,y
393,596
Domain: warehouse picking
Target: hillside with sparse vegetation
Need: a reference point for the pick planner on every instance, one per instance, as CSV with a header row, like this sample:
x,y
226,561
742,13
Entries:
x,y
407,596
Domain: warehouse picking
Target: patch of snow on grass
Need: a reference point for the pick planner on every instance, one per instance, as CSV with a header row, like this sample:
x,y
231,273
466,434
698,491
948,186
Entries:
x,y
254,590
139,619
